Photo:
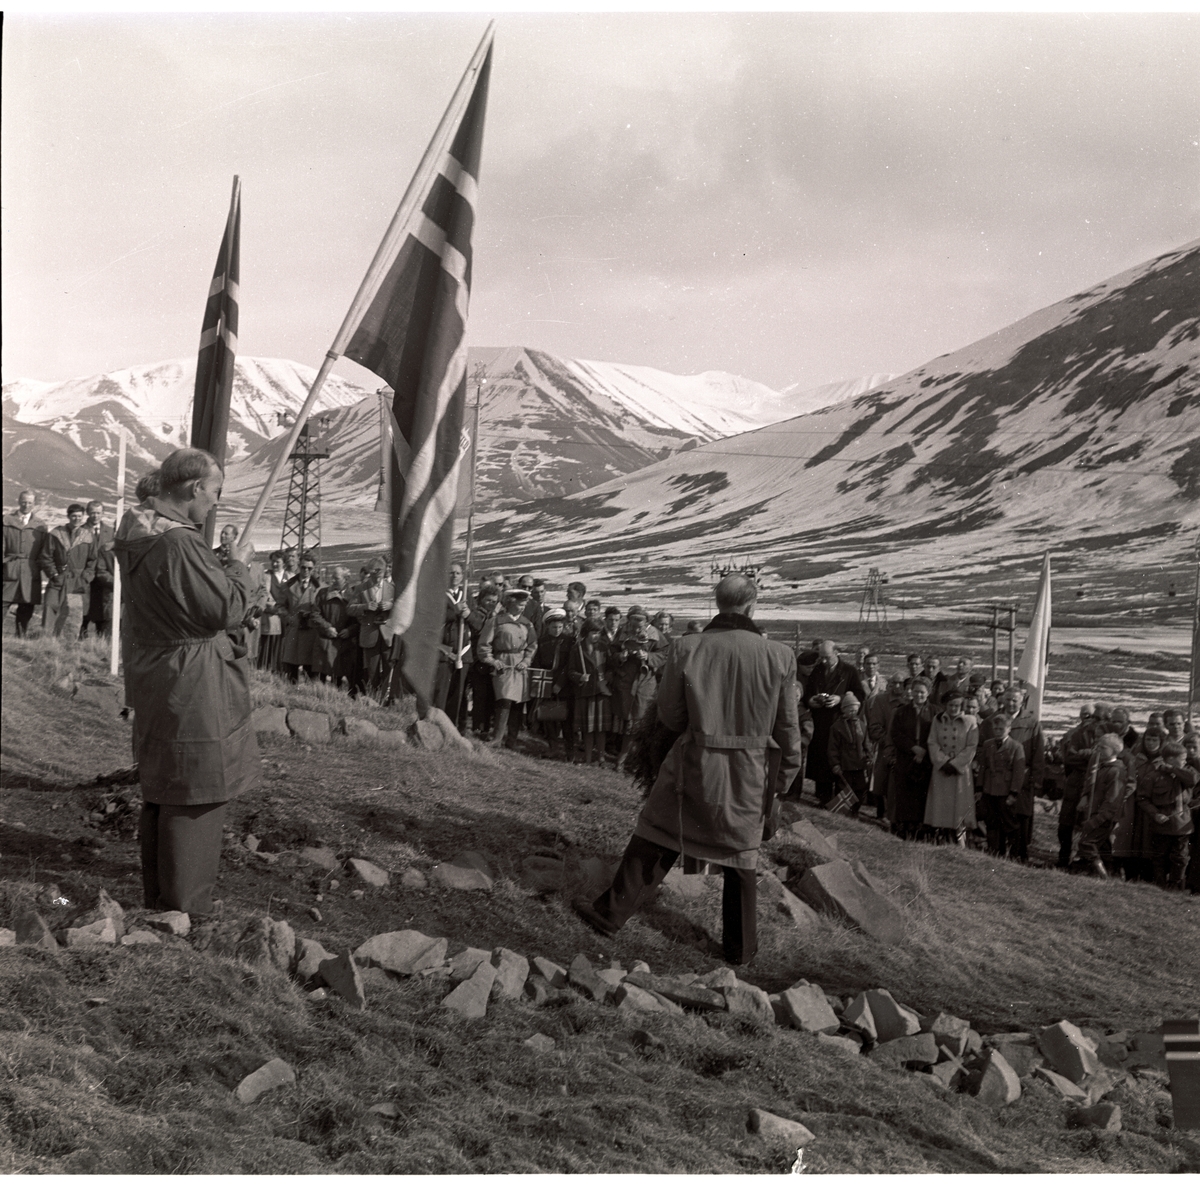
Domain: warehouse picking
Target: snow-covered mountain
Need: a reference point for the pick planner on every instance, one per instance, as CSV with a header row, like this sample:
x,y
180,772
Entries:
x,y
548,426
1076,430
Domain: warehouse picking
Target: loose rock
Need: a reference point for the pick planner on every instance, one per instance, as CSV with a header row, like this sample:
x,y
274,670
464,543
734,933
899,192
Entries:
x,y
8,937
949,1031
178,924
834,888
310,954
141,937
358,730
551,972
631,999
402,951
462,965
540,1043
98,933
1060,1083
1067,1052
857,1016
722,977
892,1020
583,976
311,727
809,1010
322,856
412,878
270,1075
950,1072
463,876
369,873
538,991
746,1000
267,943
844,1044
511,972
789,1134
787,902
470,998
917,1049
105,907
1097,1116
342,975
687,994
815,846
999,1084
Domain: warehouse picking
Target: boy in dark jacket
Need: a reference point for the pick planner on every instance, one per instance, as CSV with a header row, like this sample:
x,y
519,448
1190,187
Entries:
x,y
850,752
554,648
1099,810
1002,774
1165,794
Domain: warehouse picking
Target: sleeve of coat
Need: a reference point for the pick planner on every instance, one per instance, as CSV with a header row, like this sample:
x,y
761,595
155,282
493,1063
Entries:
x,y
484,649
1018,769
89,566
962,760
1106,805
786,731
672,701
531,645
656,657
213,596
1037,757
937,755
836,748
46,558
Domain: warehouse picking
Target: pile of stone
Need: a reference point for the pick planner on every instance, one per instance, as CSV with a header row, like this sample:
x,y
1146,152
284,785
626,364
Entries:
x,y
435,732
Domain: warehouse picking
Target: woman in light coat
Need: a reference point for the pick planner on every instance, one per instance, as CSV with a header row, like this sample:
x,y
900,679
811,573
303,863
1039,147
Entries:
x,y
507,644
953,740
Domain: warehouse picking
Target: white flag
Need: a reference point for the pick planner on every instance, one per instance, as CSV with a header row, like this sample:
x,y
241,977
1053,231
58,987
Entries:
x,y
1032,671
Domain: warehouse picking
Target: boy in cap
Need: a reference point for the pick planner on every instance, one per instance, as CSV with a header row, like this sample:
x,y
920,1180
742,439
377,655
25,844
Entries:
x,y
1164,794
851,755
1002,775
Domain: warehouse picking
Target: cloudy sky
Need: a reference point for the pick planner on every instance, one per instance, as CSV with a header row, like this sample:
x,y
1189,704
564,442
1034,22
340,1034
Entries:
x,y
795,198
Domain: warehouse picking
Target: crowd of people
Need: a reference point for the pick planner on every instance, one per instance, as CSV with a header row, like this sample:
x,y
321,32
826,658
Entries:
x,y
935,755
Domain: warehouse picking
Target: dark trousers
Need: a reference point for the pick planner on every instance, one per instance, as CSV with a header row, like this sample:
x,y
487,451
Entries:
x,y
1170,859
483,698
181,851
1095,845
645,866
1072,789
1007,831
22,617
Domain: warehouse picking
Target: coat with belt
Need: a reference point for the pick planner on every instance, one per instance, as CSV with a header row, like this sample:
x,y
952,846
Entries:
x,y
910,730
634,679
189,691
951,799
300,635
507,644
732,694
22,555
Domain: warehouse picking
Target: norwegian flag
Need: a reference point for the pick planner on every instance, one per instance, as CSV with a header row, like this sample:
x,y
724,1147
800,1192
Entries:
x,y
218,345
413,335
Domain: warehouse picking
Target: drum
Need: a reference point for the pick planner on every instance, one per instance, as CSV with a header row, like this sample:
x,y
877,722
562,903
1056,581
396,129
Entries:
x,y
540,683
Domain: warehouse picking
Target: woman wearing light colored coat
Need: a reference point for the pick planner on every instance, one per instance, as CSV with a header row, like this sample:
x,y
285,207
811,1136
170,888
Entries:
x,y
507,644
953,740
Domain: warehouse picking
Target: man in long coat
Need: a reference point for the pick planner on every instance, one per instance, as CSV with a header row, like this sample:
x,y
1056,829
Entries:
x,y
187,686
731,694
830,680
912,769
68,560
24,534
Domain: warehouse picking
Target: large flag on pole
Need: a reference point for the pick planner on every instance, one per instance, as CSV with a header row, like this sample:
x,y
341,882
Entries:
x,y
1032,671
413,335
218,346
1194,676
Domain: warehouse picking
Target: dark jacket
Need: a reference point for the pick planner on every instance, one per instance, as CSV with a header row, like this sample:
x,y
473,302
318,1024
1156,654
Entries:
x,y
189,692
23,546
1166,790
910,729
1002,766
1103,806
849,745
834,681
68,558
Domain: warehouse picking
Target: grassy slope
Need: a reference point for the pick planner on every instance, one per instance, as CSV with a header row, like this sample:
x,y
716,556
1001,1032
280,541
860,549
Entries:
x,y
142,1082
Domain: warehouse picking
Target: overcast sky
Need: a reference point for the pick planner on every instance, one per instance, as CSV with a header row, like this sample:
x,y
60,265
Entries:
x,y
794,198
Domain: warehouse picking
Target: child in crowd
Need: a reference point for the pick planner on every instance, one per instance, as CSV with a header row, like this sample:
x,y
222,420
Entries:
x,y
851,755
1100,805
1164,794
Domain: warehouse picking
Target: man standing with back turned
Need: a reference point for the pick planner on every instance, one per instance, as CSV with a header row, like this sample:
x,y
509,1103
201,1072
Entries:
x,y
188,685
731,694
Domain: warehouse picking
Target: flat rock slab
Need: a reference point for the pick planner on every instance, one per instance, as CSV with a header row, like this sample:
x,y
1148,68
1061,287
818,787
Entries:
x,y
1067,1051
470,998
689,995
817,849
271,719
778,1130
635,1000
141,937
892,1019
583,976
402,951
312,727
369,873
919,1049
998,1085
802,915
178,924
462,965
341,975
105,906
809,1010
949,1031
310,954
721,977
450,733
512,970
1061,1084
950,1072
746,1000
842,1044
321,856
98,933
551,972
857,1016
358,730
428,735
273,1074
833,888
461,878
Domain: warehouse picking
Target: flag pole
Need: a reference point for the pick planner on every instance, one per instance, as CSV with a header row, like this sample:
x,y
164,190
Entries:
x,y
1194,671
115,652
380,264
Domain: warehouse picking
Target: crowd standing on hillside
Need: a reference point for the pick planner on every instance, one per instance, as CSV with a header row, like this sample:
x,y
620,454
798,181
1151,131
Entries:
x,y
948,756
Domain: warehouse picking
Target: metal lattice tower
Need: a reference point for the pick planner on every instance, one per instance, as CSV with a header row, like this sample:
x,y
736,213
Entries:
x,y
873,606
302,518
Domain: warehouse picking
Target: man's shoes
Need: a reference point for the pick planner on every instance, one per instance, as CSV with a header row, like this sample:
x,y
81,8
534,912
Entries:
x,y
589,916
